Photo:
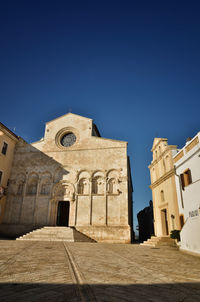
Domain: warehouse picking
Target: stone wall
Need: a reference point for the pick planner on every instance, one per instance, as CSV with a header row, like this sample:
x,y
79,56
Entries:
x,y
91,174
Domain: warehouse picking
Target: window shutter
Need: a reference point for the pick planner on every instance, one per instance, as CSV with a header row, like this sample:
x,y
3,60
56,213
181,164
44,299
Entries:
x,y
189,176
182,181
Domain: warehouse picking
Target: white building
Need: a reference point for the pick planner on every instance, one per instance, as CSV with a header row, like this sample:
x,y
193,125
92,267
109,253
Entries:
x,y
187,167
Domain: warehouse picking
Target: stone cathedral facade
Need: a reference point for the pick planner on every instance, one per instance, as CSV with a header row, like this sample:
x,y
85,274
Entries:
x,y
72,177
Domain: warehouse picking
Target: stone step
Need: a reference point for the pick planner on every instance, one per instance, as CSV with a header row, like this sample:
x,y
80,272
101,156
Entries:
x,y
47,239
44,237
148,244
159,241
69,234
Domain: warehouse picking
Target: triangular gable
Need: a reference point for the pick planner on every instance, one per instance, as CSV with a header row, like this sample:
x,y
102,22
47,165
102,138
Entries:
x,y
69,114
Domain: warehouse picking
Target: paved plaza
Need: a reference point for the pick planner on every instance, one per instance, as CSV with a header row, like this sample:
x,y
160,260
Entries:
x,y
61,271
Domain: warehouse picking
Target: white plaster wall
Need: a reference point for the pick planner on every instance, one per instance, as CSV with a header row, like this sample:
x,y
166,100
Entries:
x,y
190,238
190,235
191,193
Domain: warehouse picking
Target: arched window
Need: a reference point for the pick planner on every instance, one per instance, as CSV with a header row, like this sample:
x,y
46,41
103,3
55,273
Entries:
x,y
21,179
162,195
45,188
164,167
83,186
153,175
32,188
32,184
112,186
45,183
20,189
97,185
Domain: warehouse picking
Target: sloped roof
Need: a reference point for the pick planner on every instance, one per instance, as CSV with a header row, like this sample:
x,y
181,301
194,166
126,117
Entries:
x,y
69,113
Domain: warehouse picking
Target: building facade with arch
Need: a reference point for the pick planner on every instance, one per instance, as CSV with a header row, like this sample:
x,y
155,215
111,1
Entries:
x,y
71,177
163,186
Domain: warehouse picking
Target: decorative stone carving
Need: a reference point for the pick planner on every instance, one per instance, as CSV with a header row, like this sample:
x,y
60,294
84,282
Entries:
x,y
69,191
63,191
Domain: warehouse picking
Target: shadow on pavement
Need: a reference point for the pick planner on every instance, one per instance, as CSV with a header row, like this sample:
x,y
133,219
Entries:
x,y
185,292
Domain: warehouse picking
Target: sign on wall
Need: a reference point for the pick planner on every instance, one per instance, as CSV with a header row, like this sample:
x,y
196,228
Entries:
x,y
194,213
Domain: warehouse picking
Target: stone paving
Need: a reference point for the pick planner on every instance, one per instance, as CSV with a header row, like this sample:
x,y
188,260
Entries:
x,y
60,271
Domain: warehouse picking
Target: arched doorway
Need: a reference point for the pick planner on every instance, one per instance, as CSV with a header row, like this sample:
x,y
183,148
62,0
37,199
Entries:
x,y
63,213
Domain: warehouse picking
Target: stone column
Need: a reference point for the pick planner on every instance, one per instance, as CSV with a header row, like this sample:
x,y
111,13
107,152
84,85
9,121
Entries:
x,y
36,200
23,198
55,212
106,199
90,194
76,207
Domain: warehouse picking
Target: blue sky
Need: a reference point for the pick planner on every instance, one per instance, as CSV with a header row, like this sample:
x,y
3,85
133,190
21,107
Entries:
x,y
132,66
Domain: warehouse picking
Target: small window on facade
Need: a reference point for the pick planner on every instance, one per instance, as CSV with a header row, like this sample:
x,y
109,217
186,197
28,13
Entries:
x,y
4,148
1,174
153,175
164,166
167,164
162,195
186,178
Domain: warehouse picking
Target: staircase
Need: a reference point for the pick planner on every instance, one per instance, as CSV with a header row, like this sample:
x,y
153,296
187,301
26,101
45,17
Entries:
x,y
68,234
159,241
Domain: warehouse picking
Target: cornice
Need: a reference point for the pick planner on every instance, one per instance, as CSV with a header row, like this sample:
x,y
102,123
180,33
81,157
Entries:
x,y
8,132
162,178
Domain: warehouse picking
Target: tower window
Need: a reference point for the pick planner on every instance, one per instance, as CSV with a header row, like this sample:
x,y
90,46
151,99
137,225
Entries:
x,y
162,196
4,148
